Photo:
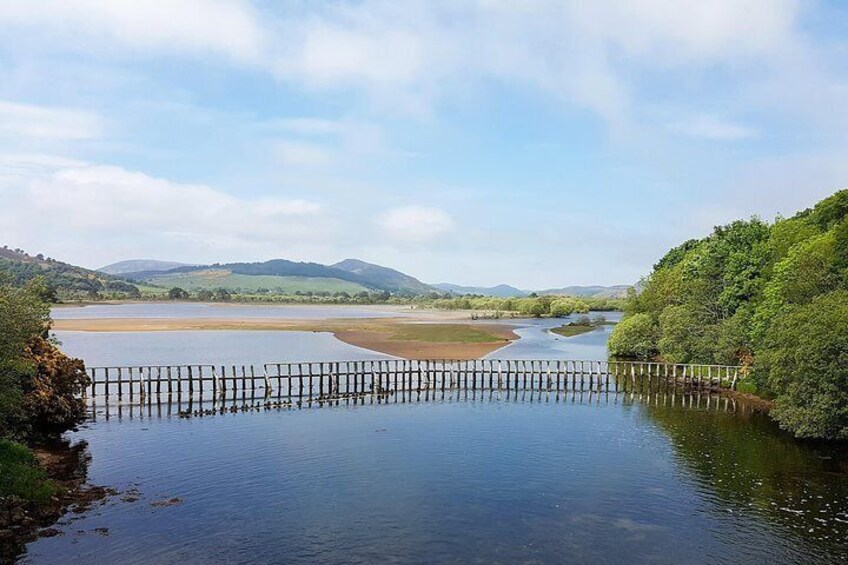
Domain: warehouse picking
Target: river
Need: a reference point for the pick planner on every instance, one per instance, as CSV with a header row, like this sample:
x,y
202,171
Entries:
x,y
490,479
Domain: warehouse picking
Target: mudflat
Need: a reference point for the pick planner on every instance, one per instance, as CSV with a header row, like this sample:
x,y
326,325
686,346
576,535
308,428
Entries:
x,y
400,337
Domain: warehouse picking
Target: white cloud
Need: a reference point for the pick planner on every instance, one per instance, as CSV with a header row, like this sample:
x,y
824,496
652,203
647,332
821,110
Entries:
x,y
709,127
102,212
302,154
311,142
407,56
27,120
415,223
224,27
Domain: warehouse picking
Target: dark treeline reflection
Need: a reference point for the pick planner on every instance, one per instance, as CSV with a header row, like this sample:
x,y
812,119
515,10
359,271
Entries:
x,y
750,466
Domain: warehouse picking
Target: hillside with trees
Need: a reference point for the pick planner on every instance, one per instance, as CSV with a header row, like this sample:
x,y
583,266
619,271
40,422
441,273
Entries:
x,y
770,296
62,280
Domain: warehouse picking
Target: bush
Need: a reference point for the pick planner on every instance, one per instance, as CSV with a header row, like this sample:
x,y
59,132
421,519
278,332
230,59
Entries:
x,y
38,383
635,336
805,362
20,475
51,397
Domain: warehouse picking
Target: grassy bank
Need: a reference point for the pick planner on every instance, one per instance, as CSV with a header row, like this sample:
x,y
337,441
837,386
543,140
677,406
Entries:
x,y
21,477
444,333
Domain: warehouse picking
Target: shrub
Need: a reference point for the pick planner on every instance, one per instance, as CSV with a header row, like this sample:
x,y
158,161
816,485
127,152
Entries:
x,y
634,336
805,361
38,383
51,397
20,475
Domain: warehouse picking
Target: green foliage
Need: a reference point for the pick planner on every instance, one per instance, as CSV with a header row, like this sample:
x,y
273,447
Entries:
x,y
444,333
805,360
806,272
38,383
830,211
20,475
535,306
733,297
61,280
213,279
635,336
581,325
682,335
23,316
177,293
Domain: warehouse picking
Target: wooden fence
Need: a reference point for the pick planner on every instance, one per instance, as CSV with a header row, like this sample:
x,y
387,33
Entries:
x,y
326,380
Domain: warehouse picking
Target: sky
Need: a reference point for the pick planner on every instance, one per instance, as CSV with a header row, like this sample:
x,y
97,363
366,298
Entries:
x,y
536,143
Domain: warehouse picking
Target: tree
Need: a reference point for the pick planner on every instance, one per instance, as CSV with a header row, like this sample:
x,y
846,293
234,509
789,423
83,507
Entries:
x,y
177,293
205,295
39,385
805,362
635,336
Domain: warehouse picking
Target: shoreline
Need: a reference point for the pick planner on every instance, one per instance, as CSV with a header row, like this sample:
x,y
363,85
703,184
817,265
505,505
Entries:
x,y
399,337
23,522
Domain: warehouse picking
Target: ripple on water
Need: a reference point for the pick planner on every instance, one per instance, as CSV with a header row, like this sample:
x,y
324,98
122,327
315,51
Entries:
x,y
458,481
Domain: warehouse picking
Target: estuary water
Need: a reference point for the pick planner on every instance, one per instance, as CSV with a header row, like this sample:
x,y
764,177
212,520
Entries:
x,y
455,477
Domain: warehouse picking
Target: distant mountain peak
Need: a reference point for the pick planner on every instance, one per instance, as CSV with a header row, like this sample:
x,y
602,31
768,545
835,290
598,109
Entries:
x,y
383,277
500,291
139,265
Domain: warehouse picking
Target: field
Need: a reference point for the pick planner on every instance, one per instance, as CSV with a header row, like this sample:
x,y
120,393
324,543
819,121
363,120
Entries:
x,y
213,279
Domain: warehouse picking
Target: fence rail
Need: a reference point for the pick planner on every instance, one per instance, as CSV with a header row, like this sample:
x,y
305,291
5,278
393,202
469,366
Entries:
x,y
326,380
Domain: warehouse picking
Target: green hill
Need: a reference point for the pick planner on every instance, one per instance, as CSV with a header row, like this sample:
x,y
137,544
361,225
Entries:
x,y
138,265
384,278
65,280
212,279
349,276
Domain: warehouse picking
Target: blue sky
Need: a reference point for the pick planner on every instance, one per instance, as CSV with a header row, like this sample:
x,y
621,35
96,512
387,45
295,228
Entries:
x,y
539,143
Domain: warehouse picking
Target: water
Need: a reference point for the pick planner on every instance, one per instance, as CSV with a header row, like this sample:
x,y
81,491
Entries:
x,y
465,477
202,310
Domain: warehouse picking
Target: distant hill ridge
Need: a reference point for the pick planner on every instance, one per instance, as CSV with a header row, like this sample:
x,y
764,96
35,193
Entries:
x,y
615,291
507,291
500,291
367,275
140,265
350,275
388,279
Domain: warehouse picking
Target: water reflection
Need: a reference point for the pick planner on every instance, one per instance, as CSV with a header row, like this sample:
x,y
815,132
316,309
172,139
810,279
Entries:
x,y
456,476
748,466
708,401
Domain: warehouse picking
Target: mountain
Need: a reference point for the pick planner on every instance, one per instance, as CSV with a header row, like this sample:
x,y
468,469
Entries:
x,y
139,265
616,291
500,291
506,291
66,280
384,278
350,275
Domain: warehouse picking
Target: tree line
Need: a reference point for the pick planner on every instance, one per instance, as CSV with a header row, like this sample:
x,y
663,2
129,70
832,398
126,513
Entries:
x,y
769,296
532,306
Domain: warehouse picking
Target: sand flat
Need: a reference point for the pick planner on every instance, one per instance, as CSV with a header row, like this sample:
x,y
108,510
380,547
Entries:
x,y
393,336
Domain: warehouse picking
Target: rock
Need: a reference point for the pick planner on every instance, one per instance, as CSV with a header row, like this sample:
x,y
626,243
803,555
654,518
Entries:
x,y
169,502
